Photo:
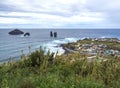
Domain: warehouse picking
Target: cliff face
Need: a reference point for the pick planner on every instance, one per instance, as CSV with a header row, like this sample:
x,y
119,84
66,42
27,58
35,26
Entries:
x,y
16,32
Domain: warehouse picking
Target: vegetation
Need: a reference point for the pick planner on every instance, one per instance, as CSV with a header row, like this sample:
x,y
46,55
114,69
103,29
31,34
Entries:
x,y
109,44
41,70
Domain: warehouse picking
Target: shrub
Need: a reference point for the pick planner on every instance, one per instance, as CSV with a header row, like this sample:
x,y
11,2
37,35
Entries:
x,y
4,83
39,57
36,58
27,83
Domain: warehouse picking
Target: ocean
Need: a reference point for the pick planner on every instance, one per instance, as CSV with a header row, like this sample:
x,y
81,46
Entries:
x,y
12,45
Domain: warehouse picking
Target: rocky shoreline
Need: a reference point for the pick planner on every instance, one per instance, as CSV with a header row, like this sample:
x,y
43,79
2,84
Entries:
x,y
94,47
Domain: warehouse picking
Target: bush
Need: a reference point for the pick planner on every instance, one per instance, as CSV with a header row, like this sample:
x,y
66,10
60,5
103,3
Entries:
x,y
37,57
26,84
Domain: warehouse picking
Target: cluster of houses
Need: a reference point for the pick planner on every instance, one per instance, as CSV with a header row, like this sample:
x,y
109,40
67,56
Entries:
x,y
94,49
105,39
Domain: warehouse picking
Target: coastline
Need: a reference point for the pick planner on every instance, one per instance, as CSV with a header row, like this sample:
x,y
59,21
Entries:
x,y
94,47
40,69
11,46
58,46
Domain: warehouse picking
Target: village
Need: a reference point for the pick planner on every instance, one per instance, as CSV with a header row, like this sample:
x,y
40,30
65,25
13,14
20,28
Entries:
x,y
95,48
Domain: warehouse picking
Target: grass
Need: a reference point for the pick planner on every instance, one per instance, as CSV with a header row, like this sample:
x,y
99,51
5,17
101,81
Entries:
x,y
109,44
40,70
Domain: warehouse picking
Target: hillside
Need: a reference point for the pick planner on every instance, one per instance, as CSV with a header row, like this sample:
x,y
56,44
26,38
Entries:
x,y
73,70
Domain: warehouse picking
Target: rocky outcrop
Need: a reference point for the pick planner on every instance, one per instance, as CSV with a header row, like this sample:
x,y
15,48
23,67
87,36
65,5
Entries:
x,y
16,32
51,34
27,34
55,34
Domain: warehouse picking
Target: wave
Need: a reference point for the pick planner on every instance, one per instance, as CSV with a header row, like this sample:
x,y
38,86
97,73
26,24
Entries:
x,y
54,46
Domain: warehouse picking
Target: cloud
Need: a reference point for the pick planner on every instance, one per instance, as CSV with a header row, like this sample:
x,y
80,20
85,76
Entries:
x,y
103,5
42,17
60,13
12,21
109,7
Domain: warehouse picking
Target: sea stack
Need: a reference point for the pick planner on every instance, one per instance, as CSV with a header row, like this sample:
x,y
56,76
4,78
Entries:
x,y
27,34
51,34
55,34
16,32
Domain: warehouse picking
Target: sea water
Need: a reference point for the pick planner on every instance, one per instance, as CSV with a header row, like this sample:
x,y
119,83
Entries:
x,y
12,45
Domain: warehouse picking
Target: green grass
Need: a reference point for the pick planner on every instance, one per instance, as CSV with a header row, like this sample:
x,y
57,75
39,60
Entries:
x,y
110,44
40,70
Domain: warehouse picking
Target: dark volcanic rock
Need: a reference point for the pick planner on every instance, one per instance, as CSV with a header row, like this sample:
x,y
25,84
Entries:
x,y
16,32
27,34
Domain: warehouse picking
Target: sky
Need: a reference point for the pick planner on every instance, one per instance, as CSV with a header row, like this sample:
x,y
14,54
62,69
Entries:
x,y
59,13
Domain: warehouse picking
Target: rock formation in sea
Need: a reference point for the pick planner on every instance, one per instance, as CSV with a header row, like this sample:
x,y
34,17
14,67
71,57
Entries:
x,y
27,34
55,34
51,34
16,32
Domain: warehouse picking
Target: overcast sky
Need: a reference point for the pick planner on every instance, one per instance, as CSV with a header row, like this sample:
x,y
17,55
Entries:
x,y
59,13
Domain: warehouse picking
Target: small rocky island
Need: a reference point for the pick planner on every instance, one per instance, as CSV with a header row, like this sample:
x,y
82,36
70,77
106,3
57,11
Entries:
x,y
27,34
16,32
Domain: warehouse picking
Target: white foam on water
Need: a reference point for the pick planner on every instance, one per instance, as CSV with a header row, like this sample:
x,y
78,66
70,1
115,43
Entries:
x,y
107,37
54,46
21,35
102,37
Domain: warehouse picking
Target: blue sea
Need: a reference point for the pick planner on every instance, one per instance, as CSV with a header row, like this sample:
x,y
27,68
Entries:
x,y
12,46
